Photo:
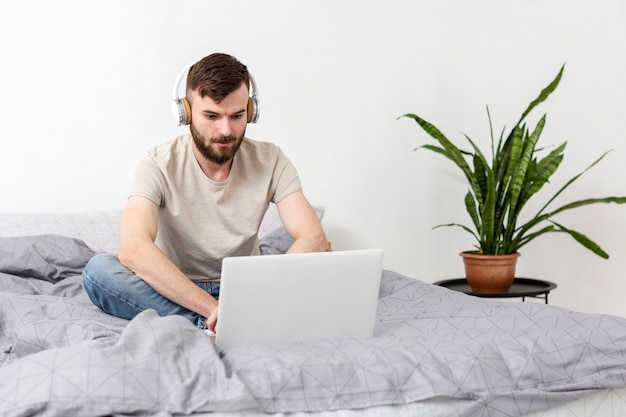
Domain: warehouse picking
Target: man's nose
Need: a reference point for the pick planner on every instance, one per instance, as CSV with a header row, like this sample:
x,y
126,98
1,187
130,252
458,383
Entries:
x,y
225,127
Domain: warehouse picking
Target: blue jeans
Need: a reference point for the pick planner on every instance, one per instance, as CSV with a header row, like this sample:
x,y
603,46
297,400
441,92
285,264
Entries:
x,y
116,290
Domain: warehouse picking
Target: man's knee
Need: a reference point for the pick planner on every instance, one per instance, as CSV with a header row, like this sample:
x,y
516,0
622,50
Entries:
x,y
109,285
99,273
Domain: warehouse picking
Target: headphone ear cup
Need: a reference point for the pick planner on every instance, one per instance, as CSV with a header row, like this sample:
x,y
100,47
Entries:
x,y
187,111
254,111
181,111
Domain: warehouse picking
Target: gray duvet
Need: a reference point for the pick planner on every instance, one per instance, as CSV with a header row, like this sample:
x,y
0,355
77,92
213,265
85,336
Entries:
x,y
61,356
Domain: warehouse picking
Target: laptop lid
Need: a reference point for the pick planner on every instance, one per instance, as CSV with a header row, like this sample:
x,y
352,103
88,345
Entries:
x,y
270,299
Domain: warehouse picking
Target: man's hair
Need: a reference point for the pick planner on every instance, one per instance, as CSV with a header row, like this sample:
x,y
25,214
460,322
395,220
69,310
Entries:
x,y
216,76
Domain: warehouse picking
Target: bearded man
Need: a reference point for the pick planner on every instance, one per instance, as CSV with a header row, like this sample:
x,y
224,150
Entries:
x,y
199,199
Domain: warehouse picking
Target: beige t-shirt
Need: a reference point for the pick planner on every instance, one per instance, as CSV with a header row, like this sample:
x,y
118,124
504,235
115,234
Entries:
x,y
202,221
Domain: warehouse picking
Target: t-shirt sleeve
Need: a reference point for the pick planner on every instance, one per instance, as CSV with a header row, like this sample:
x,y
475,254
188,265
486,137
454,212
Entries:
x,y
147,180
286,179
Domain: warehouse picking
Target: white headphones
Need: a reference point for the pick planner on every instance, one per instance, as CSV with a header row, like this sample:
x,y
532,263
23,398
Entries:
x,y
181,110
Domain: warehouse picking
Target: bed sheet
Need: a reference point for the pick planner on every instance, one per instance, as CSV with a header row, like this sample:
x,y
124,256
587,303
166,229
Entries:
x,y
62,356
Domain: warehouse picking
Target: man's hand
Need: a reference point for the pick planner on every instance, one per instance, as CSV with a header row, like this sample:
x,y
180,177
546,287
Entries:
x,y
211,321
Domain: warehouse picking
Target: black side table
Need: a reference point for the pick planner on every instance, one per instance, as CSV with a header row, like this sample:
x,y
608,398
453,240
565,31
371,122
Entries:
x,y
522,287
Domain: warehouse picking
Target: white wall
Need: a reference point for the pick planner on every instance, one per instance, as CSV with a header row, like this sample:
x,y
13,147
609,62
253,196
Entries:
x,y
85,89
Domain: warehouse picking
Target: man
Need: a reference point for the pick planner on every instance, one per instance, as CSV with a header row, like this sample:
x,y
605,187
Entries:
x,y
197,200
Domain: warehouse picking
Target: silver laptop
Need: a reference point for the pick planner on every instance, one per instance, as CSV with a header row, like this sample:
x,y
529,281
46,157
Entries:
x,y
271,299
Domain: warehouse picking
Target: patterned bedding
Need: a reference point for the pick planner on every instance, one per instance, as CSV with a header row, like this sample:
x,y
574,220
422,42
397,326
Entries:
x,y
61,356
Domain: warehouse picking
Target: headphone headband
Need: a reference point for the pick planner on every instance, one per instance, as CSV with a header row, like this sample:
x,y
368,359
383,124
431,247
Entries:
x,y
181,109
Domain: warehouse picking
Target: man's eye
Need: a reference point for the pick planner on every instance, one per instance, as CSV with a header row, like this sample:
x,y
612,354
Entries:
x,y
237,116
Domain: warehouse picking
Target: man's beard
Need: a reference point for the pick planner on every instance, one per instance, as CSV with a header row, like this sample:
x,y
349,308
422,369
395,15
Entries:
x,y
221,155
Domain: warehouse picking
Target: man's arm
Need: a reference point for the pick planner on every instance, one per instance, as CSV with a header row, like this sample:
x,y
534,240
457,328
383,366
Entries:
x,y
138,252
302,224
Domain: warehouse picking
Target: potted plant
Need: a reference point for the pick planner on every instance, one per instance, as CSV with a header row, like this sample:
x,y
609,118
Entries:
x,y
500,188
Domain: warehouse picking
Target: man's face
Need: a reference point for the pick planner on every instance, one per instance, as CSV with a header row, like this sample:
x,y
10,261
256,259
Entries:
x,y
218,128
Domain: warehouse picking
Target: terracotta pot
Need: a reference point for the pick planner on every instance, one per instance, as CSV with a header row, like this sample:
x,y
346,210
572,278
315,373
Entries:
x,y
489,273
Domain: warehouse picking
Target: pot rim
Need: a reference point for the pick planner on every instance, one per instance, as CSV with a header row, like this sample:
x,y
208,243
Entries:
x,y
477,255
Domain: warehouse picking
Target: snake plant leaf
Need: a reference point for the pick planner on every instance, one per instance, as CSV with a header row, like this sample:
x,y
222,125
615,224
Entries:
x,y
450,150
574,178
470,206
433,148
515,146
462,226
543,171
543,95
583,240
523,239
575,204
489,214
587,202
485,198
522,166
480,172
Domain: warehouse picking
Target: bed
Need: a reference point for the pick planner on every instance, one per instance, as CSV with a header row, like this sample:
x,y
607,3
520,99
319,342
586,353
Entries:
x,y
435,352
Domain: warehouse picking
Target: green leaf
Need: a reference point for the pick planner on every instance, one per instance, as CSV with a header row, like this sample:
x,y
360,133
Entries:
x,y
467,229
543,95
470,206
521,240
447,149
576,204
542,172
571,181
584,240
